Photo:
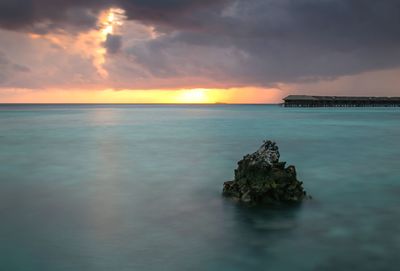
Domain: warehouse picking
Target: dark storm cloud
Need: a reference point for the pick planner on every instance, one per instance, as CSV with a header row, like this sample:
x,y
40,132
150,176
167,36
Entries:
x,y
47,15
173,14
42,16
113,43
288,40
259,42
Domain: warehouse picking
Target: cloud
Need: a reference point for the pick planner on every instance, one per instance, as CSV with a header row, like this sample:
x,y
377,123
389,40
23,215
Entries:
x,y
224,43
265,42
36,63
8,68
42,16
113,43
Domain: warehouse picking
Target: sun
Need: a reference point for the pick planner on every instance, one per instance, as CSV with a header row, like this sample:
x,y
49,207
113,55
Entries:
x,y
194,96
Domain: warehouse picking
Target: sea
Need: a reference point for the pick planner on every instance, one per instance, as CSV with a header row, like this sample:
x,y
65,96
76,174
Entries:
x,y
138,187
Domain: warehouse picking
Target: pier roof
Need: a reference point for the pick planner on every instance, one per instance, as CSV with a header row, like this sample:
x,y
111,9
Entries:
x,y
338,98
300,98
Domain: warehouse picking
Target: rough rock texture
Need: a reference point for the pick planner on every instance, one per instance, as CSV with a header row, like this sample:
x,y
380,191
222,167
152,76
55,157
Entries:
x,y
261,178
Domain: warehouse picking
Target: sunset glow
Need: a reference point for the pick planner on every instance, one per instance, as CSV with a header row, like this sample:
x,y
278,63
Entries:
x,y
109,22
194,96
182,96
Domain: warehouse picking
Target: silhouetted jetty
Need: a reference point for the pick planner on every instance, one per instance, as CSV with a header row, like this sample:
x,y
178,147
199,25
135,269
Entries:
x,y
340,101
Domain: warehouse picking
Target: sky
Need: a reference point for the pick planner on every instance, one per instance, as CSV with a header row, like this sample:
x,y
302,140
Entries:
x,y
196,51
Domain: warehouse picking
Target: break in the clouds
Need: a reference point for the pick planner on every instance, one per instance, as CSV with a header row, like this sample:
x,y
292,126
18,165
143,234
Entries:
x,y
200,43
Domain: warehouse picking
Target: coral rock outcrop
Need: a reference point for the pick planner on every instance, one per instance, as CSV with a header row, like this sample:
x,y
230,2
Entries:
x,y
262,178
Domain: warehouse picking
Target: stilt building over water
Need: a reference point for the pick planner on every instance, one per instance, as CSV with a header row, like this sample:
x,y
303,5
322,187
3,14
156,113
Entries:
x,y
340,101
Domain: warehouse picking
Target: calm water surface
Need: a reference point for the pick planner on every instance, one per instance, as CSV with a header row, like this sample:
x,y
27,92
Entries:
x,y
138,188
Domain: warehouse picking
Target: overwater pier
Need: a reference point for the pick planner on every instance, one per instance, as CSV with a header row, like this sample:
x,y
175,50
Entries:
x,y
339,101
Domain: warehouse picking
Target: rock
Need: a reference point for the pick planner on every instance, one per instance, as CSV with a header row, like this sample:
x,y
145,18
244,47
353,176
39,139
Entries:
x,y
262,178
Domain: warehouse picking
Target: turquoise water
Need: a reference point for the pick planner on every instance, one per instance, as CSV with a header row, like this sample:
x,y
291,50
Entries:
x,y
138,188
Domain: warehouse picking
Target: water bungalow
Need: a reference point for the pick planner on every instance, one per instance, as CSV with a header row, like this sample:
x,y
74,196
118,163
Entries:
x,y
339,101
